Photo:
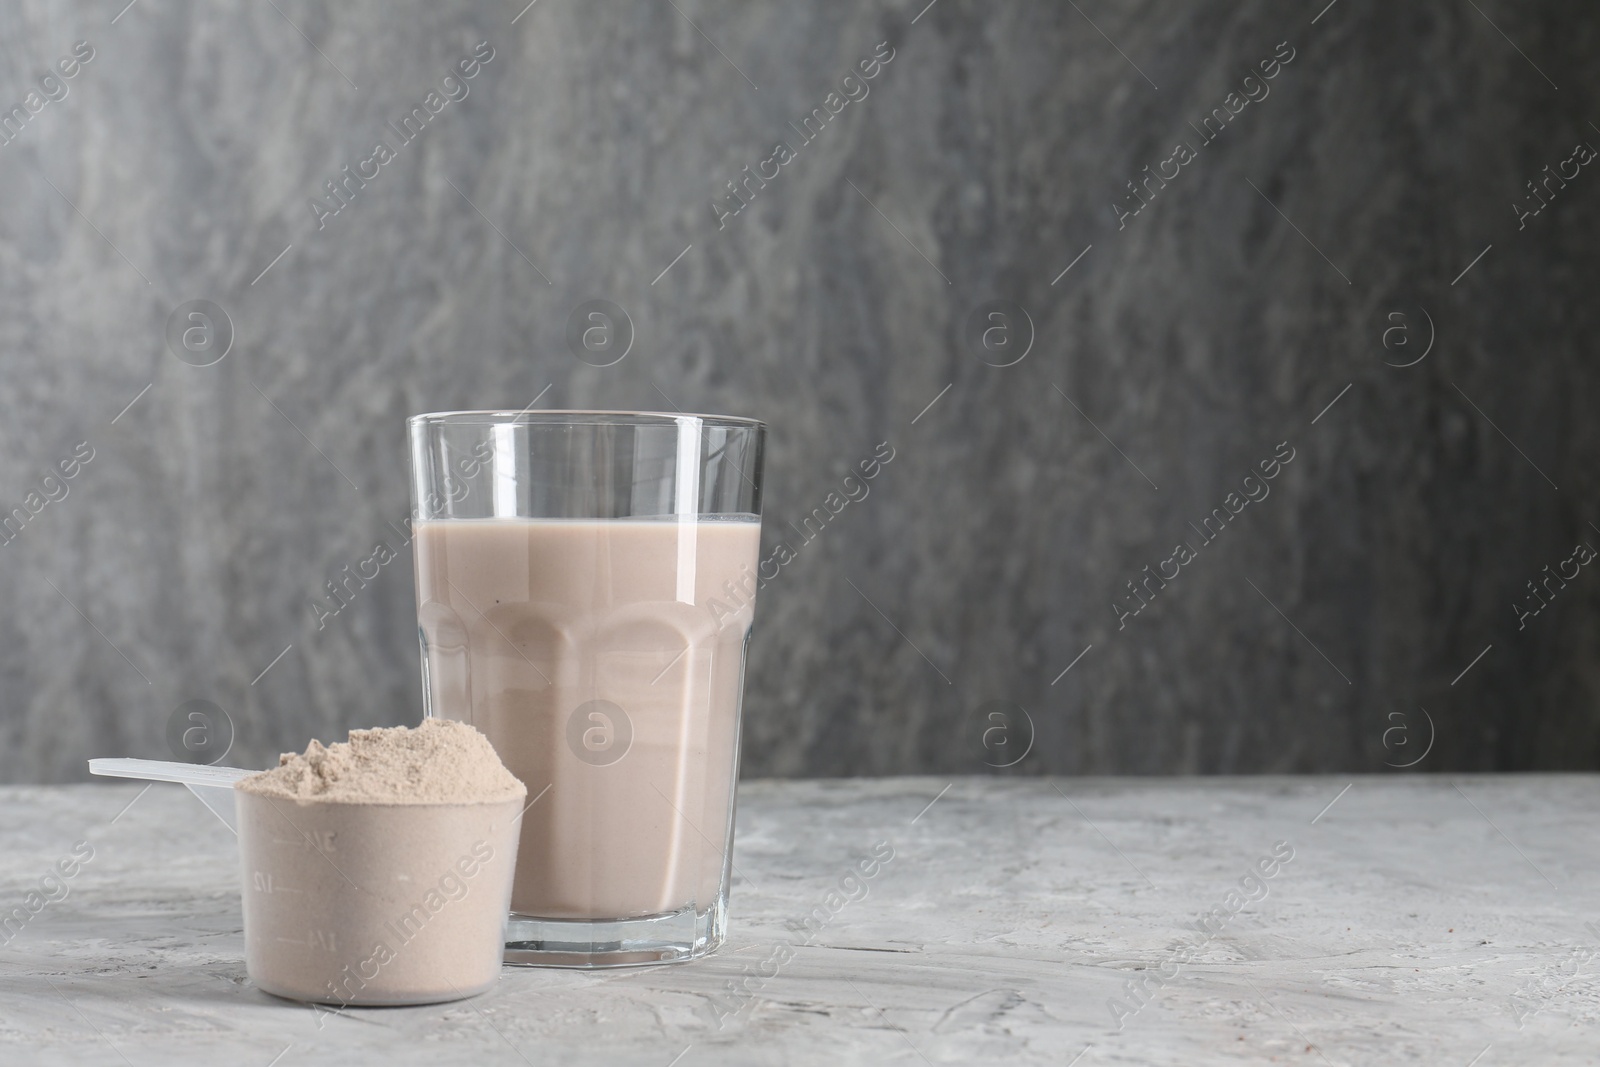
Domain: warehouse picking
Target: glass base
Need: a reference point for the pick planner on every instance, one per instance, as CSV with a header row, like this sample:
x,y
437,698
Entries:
x,y
673,937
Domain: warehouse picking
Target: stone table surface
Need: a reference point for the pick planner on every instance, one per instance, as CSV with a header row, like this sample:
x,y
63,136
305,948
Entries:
x,y
1019,920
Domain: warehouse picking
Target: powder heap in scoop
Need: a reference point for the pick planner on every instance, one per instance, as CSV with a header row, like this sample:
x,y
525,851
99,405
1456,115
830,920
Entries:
x,y
440,762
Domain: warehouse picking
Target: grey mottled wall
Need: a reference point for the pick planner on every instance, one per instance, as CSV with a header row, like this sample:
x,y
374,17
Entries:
x,y
1179,350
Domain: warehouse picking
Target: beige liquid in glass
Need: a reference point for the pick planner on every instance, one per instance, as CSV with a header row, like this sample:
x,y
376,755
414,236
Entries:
x,y
525,622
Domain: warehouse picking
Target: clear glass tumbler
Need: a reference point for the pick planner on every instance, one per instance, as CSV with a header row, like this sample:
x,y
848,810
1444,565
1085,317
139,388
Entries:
x,y
585,587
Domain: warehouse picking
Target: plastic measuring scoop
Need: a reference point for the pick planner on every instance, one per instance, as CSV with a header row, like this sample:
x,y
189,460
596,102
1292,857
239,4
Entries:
x,y
322,883
212,785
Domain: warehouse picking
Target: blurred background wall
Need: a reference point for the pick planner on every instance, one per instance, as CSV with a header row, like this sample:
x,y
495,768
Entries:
x,y
1356,230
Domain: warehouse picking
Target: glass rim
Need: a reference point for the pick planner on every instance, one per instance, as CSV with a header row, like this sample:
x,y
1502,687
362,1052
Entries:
x,y
577,417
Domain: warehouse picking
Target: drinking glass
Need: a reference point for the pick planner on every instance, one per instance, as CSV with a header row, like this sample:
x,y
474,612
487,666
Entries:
x,y
585,587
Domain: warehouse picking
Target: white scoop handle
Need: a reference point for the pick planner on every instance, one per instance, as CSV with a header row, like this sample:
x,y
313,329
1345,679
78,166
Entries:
x,y
213,786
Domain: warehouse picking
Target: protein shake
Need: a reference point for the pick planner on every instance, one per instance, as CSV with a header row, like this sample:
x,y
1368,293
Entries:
x,y
604,660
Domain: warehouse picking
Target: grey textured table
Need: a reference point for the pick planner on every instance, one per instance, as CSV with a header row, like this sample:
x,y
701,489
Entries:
x,y
1018,920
